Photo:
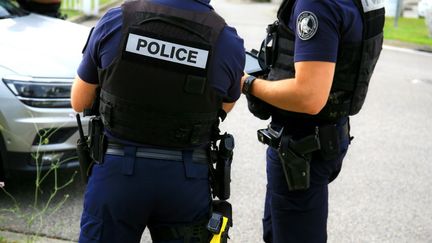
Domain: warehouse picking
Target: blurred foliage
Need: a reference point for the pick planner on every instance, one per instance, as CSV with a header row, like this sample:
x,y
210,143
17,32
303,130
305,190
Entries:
x,y
70,13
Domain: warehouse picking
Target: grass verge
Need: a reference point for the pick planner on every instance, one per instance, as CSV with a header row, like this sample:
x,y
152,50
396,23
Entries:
x,y
410,30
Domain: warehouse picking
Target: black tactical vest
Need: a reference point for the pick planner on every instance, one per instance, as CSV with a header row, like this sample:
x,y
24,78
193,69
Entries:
x,y
157,90
354,66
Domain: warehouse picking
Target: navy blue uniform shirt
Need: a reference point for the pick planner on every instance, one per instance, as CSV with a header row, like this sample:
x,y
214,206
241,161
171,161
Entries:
x,y
229,52
334,22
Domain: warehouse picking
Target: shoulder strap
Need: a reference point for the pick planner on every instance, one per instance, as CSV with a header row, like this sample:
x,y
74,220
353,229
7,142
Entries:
x,y
285,9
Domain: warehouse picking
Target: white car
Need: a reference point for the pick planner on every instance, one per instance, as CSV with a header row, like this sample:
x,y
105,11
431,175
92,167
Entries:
x,y
422,6
39,57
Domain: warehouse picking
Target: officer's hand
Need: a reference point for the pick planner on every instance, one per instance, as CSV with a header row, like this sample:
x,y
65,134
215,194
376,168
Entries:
x,y
258,107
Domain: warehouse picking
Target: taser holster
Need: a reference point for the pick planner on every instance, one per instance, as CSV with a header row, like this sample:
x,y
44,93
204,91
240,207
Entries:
x,y
220,221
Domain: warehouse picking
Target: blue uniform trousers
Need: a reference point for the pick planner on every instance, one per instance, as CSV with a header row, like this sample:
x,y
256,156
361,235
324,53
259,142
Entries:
x,y
126,194
299,216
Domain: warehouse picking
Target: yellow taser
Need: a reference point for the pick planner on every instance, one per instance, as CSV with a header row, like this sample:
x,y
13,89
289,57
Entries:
x,y
217,238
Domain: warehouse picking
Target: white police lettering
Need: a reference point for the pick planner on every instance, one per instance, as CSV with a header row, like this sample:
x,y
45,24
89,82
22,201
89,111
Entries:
x,y
370,5
307,25
167,51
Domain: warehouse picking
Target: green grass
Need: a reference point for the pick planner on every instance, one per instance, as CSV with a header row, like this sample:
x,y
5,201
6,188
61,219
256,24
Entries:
x,y
410,30
3,240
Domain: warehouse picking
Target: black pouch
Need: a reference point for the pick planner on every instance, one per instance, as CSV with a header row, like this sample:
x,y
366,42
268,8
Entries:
x,y
329,140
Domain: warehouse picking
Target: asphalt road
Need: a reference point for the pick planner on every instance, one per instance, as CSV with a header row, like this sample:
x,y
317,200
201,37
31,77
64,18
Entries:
x,y
383,192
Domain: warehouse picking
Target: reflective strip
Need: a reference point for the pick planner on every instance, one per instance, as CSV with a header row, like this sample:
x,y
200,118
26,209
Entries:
x,y
167,51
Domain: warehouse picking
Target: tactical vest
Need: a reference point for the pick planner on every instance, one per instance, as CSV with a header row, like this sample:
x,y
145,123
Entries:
x,y
354,66
157,90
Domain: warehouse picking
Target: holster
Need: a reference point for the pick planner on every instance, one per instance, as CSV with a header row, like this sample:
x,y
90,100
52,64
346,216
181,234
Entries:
x,y
213,230
220,221
98,144
295,157
223,156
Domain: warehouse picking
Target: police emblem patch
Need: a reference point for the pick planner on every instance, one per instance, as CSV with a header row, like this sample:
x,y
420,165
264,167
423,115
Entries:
x,y
307,25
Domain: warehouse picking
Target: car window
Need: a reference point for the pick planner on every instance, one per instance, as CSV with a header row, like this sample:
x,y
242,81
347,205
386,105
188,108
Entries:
x,y
9,10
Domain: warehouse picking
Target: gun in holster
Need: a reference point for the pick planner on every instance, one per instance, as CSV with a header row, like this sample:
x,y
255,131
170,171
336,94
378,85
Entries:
x,y
295,155
222,156
220,221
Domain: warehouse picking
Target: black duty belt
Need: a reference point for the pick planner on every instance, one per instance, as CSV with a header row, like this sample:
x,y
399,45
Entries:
x,y
312,142
198,155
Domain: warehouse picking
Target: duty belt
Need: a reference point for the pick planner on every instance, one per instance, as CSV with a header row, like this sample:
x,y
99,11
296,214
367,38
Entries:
x,y
198,155
309,143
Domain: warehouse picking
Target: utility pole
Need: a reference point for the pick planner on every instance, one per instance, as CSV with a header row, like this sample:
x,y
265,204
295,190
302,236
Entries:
x,y
399,5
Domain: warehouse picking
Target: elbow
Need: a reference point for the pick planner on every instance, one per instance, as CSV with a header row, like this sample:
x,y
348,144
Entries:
x,y
227,107
76,106
313,110
313,106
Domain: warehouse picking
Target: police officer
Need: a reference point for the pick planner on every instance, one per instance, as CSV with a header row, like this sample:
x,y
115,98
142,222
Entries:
x,y
320,55
165,70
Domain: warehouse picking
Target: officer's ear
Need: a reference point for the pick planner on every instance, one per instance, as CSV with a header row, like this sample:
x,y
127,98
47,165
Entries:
x,y
88,39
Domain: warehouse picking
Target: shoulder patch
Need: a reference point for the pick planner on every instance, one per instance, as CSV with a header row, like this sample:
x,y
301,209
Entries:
x,y
307,25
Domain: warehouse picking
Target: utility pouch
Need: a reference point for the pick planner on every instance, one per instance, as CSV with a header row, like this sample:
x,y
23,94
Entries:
x,y
220,221
329,140
296,167
97,139
223,166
